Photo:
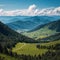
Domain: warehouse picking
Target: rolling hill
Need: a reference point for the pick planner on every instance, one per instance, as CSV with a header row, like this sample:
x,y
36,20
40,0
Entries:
x,y
44,31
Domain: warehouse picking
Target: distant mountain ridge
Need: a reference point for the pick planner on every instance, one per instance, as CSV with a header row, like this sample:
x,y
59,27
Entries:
x,y
55,25
26,23
29,23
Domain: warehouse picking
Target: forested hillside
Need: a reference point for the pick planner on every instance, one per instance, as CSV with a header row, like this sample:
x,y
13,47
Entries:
x,y
44,31
10,37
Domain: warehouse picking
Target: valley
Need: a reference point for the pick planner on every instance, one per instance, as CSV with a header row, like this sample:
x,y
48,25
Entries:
x,y
43,31
41,42
29,29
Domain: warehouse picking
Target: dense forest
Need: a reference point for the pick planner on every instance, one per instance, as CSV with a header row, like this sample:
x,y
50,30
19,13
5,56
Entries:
x,y
10,38
53,53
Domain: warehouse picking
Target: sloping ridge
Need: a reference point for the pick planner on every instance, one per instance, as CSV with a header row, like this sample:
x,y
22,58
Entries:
x,y
55,25
51,38
7,34
44,31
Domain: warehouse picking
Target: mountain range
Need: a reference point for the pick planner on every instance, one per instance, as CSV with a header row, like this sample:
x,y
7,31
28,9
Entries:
x,y
30,29
21,24
26,23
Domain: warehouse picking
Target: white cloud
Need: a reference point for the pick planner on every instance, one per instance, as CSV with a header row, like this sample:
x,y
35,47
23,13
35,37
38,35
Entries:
x,y
32,7
1,12
32,10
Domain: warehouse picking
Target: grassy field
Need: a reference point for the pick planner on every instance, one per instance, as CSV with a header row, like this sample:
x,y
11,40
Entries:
x,y
51,43
40,33
31,49
28,49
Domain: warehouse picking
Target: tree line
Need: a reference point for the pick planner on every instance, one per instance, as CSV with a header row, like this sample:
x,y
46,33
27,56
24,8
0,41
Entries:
x,y
49,55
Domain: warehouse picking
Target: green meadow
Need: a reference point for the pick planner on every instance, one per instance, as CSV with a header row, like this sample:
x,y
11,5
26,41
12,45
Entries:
x,y
28,49
31,49
40,33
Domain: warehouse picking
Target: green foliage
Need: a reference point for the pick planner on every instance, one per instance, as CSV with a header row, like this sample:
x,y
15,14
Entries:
x,y
28,49
44,31
9,37
50,53
11,49
6,57
31,48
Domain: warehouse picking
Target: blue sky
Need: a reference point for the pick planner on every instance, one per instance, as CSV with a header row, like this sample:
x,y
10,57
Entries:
x,y
29,7
22,4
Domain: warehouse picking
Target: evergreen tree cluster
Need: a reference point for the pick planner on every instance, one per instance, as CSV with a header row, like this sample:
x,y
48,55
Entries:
x,y
49,55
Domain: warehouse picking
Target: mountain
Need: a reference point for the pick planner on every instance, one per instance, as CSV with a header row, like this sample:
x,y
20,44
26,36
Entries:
x,y
26,23
10,37
44,31
54,37
20,25
29,23
52,25
9,19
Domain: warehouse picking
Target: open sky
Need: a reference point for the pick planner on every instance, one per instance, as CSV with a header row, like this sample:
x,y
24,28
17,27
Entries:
x,y
22,4
9,5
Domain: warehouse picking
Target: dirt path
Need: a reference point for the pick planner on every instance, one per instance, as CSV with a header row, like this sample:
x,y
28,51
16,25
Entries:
x,y
20,47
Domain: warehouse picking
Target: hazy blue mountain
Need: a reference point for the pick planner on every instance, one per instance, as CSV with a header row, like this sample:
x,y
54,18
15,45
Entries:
x,y
55,25
21,25
26,23
8,19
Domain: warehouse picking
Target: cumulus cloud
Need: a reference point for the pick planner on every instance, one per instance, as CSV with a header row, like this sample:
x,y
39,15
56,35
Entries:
x,y
32,10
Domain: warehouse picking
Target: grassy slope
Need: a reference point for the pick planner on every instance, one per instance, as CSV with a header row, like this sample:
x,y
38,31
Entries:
x,y
40,33
6,57
28,49
43,31
31,49
51,43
